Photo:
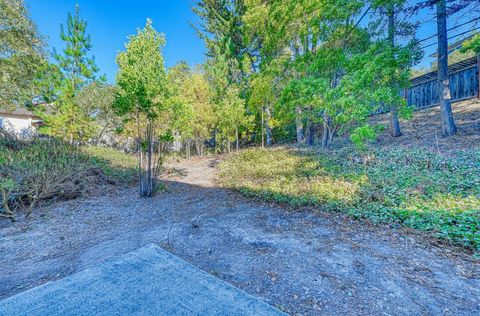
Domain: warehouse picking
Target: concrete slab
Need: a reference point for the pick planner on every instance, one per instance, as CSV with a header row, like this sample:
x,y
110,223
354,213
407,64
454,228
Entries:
x,y
147,281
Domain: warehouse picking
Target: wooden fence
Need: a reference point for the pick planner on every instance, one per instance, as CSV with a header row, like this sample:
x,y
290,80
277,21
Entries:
x,y
464,85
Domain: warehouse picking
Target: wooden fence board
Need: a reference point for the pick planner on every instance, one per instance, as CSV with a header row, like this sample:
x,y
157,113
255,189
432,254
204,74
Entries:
x,y
464,84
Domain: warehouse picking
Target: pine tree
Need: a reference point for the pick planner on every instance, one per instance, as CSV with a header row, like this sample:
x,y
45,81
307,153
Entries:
x,y
76,65
69,120
397,30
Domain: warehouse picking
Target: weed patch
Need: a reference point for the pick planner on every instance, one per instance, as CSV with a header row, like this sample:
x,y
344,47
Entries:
x,y
44,169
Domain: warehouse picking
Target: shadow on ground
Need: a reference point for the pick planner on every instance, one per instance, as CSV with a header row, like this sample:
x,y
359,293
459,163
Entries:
x,y
295,260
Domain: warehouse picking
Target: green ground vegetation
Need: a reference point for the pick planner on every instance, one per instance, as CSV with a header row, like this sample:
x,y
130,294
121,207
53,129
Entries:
x,y
413,188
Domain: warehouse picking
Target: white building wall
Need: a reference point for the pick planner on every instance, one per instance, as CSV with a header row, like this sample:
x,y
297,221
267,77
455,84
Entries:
x,y
21,127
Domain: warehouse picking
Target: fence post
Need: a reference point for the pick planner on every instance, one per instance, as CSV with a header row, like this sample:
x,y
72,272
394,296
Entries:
x,y
478,76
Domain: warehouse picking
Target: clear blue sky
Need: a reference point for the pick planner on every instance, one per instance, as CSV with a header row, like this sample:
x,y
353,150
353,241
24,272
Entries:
x,y
111,21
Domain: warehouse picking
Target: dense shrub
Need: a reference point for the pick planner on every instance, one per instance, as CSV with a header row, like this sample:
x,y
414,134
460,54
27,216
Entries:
x,y
42,169
414,188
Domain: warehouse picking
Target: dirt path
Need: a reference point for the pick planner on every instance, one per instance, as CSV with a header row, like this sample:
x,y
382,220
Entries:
x,y
300,261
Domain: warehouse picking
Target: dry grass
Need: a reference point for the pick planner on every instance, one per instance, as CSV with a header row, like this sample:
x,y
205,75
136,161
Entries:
x,y
424,130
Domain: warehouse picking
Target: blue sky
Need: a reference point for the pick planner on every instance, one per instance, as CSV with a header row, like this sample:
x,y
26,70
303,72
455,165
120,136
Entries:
x,y
111,21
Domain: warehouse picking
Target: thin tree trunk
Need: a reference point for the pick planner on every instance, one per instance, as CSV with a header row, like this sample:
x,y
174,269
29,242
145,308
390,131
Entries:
x,y
310,133
394,123
215,146
263,138
299,125
198,144
139,157
236,138
395,130
326,137
149,158
268,130
448,124
97,141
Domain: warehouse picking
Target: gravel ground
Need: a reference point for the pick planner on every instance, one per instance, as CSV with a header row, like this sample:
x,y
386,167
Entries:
x,y
302,261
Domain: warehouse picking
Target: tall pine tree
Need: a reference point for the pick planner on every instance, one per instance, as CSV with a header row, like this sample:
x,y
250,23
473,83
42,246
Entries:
x,y
69,120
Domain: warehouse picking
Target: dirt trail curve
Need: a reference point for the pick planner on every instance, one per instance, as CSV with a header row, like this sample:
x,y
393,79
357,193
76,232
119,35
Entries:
x,y
302,261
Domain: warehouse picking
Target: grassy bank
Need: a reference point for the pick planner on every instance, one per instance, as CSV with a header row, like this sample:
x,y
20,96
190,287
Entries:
x,y
40,169
120,166
414,188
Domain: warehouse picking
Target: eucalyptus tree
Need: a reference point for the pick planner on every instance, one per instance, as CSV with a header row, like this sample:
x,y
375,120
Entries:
x,y
21,54
389,18
144,97
444,8
270,30
448,124
261,99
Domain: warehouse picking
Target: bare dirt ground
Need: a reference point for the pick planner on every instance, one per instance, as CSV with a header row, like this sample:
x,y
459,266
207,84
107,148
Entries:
x,y
302,261
424,129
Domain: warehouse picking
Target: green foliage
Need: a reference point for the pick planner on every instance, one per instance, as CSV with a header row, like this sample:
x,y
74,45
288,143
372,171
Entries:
x,y
472,45
77,68
96,100
221,27
193,113
142,77
231,115
67,119
21,54
227,66
332,71
363,134
414,188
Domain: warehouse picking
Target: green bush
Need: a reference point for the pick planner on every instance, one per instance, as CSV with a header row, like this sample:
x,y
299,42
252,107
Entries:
x,y
414,188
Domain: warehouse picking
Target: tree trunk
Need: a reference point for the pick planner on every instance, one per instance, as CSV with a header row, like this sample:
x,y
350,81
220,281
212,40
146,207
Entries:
x,y
310,133
395,130
268,130
150,179
215,146
198,146
262,130
448,124
139,157
299,124
187,149
236,138
394,123
326,137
